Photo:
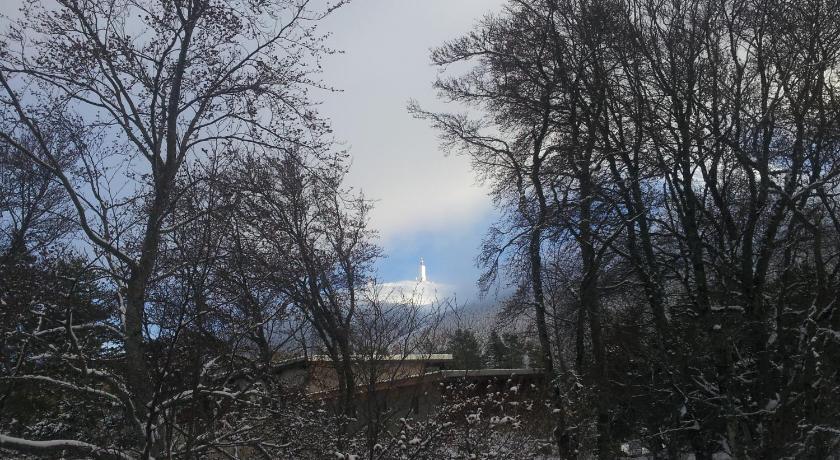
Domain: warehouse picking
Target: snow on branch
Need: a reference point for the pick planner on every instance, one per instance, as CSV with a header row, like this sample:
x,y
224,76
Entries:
x,y
64,384
40,447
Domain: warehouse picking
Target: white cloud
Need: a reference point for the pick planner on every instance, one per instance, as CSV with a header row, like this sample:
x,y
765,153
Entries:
x,y
396,160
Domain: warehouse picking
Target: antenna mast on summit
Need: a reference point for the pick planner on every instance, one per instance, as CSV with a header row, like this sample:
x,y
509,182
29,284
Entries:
x,y
422,277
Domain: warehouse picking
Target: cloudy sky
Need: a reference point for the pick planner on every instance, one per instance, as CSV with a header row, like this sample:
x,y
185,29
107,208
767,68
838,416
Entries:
x,y
427,204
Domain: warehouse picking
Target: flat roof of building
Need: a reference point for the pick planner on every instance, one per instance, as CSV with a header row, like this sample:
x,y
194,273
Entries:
x,y
429,357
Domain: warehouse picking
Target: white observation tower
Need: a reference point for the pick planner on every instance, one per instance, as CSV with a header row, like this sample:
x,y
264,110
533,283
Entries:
x,y
422,277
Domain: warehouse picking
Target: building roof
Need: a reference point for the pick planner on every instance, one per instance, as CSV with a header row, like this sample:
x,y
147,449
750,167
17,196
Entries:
x,y
397,358
435,376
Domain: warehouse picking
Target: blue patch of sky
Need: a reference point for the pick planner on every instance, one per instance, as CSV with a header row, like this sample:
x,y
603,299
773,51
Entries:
x,y
449,254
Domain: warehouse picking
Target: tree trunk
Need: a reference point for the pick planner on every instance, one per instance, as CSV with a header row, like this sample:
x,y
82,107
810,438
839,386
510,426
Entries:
x,y
590,302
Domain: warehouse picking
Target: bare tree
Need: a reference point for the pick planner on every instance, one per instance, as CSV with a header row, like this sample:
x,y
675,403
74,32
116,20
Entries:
x,y
156,85
33,207
688,148
314,243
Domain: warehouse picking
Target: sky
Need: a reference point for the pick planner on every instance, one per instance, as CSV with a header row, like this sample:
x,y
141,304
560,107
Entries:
x,y
426,204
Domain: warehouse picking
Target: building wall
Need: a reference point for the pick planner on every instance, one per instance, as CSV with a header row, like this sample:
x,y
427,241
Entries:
x,y
320,376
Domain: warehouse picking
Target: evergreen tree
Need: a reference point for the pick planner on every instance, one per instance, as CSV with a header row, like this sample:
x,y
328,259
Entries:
x,y
506,351
514,357
495,355
534,356
465,350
